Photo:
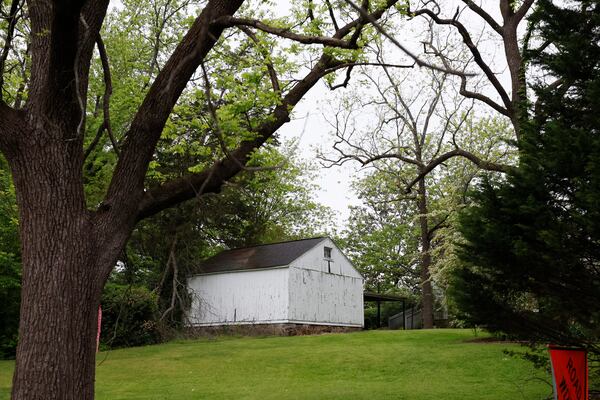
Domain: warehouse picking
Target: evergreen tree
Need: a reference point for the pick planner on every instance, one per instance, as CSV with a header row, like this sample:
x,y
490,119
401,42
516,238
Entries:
x,y
532,252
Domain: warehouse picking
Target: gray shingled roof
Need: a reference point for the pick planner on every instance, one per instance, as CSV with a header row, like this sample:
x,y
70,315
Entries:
x,y
257,257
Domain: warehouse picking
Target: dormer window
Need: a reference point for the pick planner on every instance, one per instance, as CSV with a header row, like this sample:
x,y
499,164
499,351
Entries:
x,y
327,253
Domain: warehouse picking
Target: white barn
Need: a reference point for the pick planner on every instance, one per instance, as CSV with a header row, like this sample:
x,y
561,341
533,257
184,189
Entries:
x,y
308,282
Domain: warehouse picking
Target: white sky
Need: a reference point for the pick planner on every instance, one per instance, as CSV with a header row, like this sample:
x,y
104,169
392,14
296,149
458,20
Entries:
x,y
312,130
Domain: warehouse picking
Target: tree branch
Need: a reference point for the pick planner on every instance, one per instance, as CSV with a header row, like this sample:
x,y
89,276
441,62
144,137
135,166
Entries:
x,y
369,160
210,180
522,11
24,80
127,185
440,224
219,132
171,262
463,85
482,164
229,21
367,64
10,31
399,45
484,15
332,15
95,141
107,93
468,41
270,68
345,81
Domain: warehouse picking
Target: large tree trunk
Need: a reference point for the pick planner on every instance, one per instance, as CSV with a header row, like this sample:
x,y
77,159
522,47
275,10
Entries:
x,y
57,330
69,251
426,288
62,282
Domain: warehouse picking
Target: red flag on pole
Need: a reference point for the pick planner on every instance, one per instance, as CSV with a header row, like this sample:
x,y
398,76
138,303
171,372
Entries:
x,y
569,373
99,326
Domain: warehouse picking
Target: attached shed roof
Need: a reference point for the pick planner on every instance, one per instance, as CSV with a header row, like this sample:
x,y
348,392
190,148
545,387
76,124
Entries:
x,y
257,257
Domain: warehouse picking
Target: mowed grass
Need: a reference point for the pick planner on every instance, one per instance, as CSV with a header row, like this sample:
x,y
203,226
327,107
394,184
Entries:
x,y
434,364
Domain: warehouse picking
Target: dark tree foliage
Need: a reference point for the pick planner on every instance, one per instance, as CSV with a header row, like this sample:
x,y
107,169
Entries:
x,y
129,316
532,252
10,266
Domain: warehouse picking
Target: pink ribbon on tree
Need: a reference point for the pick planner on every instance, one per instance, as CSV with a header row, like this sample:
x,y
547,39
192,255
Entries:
x,y
99,326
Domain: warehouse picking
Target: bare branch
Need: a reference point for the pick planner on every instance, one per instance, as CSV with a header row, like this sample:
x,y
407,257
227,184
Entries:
x,y
463,85
365,160
346,79
480,163
483,14
350,65
477,57
332,15
342,65
403,48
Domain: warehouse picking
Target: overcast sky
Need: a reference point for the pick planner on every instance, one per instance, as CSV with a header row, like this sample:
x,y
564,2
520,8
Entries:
x,y
311,129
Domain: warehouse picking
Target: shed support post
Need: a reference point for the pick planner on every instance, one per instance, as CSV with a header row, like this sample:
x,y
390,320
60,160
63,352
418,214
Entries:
x,y
379,314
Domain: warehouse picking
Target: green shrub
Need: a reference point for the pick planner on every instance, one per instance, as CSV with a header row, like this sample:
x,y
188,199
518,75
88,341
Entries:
x,y
129,316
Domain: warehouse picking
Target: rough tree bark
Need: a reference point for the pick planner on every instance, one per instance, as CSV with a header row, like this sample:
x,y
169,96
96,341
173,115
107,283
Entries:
x,y
68,250
425,239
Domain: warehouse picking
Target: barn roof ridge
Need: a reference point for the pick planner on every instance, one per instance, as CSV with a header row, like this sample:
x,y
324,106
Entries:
x,y
285,241
258,257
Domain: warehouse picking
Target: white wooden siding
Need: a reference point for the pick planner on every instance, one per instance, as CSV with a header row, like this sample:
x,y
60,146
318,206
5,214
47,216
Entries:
x,y
318,297
314,259
257,296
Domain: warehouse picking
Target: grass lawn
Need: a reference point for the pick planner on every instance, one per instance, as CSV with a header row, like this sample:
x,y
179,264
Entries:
x,y
435,364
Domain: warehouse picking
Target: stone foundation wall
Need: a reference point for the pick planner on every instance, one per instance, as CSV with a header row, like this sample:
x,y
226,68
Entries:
x,y
268,330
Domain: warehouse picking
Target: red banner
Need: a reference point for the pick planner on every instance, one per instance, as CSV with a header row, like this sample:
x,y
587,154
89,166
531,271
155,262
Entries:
x,y
570,373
